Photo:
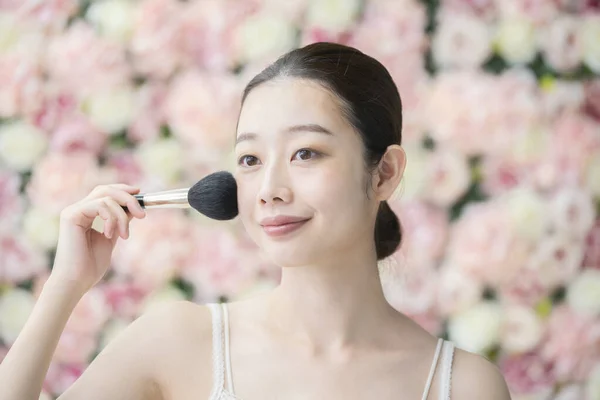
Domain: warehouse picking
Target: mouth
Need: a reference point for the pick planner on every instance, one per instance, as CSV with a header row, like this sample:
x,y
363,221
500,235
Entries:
x,y
283,228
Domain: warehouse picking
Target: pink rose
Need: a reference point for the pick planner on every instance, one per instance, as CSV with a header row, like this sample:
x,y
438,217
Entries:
x,y
571,343
199,109
561,97
90,314
573,143
484,245
59,180
83,62
3,353
150,114
527,374
592,99
561,43
75,348
21,86
207,29
61,376
485,9
50,14
410,289
125,299
218,265
77,134
125,168
456,290
528,287
11,202
430,321
572,211
448,177
592,247
461,40
58,104
425,231
159,246
155,43
502,173
20,260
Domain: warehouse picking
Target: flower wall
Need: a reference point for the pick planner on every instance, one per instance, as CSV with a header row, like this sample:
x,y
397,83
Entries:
x,y
500,201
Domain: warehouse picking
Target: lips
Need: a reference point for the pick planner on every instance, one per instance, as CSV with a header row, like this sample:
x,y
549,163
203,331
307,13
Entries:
x,y
281,220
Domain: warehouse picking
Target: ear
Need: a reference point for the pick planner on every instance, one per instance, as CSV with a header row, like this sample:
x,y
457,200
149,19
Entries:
x,y
389,172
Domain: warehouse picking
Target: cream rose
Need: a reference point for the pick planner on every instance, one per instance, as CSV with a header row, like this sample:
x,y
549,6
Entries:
x,y
263,35
21,145
113,110
592,387
332,15
521,329
41,227
163,158
583,292
590,33
15,307
112,330
528,213
478,328
112,18
516,40
592,176
167,293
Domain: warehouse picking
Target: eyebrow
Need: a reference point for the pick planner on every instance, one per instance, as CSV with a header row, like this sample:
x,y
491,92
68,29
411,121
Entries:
x,y
316,128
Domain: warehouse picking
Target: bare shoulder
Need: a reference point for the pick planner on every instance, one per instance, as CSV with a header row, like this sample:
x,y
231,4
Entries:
x,y
147,352
475,377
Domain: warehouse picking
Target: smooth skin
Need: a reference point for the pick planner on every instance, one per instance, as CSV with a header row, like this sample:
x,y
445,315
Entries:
x,y
325,332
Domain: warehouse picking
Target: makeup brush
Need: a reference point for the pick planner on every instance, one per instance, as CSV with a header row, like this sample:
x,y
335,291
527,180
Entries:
x,y
215,196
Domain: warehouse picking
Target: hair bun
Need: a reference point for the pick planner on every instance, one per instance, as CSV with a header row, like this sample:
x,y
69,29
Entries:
x,y
388,231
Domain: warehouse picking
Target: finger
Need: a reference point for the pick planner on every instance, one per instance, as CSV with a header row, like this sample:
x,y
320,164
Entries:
x,y
97,208
106,190
123,198
122,221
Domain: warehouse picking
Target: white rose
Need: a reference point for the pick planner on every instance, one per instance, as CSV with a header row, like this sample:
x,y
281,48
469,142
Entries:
x,y
111,110
111,330
15,307
264,35
583,292
41,227
592,386
573,211
590,34
476,329
45,396
528,213
21,145
461,41
333,15
521,329
159,297
572,391
112,18
162,158
516,40
592,176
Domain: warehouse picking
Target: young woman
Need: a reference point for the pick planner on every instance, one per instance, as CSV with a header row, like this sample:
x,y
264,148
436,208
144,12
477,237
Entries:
x,y
318,150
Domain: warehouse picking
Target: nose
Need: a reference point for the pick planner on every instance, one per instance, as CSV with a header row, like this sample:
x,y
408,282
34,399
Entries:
x,y
274,188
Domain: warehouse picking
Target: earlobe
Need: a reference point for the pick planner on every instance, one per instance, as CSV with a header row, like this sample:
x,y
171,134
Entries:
x,y
390,171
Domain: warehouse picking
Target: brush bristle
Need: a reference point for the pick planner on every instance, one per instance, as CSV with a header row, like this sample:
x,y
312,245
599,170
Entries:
x,y
215,196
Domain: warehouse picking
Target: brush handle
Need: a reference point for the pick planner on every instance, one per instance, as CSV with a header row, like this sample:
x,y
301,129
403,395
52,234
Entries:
x,y
177,198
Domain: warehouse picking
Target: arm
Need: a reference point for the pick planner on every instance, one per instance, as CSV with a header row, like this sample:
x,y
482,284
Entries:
x,y
475,377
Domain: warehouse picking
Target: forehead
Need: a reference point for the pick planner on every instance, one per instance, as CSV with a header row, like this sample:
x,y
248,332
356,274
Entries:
x,y
277,104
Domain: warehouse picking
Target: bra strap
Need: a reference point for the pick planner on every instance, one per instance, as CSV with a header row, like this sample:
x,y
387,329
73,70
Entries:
x,y
432,369
217,349
227,352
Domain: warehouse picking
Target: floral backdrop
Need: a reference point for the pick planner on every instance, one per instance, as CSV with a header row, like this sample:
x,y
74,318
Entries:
x,y
500,203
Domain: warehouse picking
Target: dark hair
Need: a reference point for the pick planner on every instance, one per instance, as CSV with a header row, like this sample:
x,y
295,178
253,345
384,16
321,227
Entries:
x,y
370,102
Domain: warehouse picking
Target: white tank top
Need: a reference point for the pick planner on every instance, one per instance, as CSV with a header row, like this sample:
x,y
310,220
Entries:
x,y
222,360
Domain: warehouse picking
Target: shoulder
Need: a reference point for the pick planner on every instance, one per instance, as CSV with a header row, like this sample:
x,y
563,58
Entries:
x,y
475,377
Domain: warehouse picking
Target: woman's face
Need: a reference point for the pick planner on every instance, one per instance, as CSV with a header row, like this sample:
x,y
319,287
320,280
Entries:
x,y
298,157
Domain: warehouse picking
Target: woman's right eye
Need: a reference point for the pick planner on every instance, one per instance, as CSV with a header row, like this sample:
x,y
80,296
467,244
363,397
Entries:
x,y
250,161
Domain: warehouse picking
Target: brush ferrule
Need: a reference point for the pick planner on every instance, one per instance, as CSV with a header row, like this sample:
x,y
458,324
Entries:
x,y
177,198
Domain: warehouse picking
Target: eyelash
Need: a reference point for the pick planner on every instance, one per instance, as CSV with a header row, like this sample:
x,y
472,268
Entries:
x,y
315,154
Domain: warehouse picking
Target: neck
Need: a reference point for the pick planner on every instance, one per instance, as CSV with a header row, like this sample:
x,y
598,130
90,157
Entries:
x,y
335,305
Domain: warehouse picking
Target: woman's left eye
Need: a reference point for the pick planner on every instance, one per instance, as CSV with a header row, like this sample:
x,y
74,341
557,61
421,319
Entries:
x,y
306,154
